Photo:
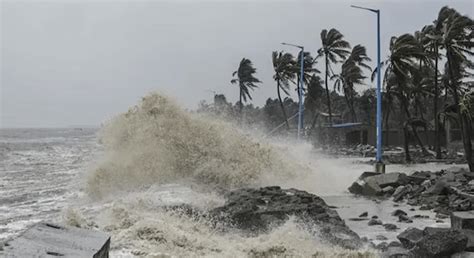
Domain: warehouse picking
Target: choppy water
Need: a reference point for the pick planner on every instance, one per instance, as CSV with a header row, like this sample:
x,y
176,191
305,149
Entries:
x,y
39,173
158,155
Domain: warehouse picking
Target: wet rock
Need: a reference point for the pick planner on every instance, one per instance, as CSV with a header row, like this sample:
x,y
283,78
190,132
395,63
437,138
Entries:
x,y
398,213
383,246
440,188
390,227
440,243
388,190
400,192
394,244
358,219
363,215
410,237
395,252
372,184
374,222
404,218
258,210
418,216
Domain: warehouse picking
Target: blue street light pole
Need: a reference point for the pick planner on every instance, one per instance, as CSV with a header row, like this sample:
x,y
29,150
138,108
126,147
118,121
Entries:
x,y
300,89
379,166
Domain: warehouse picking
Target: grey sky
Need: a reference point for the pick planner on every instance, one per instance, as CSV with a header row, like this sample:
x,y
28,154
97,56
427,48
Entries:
x,y
79,63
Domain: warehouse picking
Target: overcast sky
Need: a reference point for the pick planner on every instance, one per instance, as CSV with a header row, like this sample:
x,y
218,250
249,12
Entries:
x,y
67,63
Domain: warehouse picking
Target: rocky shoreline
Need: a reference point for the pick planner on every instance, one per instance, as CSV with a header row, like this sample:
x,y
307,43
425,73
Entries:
x,y
449,194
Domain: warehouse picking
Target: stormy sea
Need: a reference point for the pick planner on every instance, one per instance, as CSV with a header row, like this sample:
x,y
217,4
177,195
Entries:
x,y
118,178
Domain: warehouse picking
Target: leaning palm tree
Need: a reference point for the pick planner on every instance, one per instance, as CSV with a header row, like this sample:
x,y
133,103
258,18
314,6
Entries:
x,y
283,65
352,74
458,40
334,49
400,68
246,80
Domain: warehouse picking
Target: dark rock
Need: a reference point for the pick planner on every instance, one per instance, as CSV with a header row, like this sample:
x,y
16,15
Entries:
x,y
375,217
440,243
383,246
258,210
470,239
404,218
439,221
363,215
388,190
390,227
441,216
381,237
400,192
440,188
397,213
425,208
412,209
418,216
410,237
395,252
374,222
358,219
394,244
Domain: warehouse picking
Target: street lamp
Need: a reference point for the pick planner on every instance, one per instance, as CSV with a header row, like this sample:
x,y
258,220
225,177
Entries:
x,y
379,166
300,88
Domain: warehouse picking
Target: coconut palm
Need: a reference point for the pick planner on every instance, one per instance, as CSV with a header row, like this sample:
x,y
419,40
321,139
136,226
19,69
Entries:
x,y
245,79
313,97
334,49
400,68
352,74
458,40
283,65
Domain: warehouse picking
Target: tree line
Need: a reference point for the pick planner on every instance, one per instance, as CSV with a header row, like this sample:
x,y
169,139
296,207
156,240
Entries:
x,y
427,79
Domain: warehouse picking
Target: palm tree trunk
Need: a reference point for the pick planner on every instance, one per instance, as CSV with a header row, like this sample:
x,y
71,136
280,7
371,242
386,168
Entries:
x,y
465,124
413,128
405,143
327,91
435,108
282,107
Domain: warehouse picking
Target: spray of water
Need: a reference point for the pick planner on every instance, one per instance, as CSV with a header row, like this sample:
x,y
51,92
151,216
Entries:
x,y
158,155
157,142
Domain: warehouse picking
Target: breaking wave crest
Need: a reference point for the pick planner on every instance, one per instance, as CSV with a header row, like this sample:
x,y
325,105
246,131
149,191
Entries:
x,y
157,142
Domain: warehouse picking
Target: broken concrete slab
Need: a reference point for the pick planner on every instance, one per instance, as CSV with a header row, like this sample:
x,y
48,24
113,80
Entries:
x,y
49,239
462,220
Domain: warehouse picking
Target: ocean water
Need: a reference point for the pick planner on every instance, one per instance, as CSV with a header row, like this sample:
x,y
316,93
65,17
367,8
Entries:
x,y
39,171
119,178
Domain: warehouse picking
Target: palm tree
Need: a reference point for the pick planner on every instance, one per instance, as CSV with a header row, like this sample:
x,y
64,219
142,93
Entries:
x,y
352,74
334,49
400,70
458,39
245,79
313,98
283,65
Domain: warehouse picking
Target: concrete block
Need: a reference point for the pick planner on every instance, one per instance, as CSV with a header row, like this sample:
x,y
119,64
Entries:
x,y
49,239
462,220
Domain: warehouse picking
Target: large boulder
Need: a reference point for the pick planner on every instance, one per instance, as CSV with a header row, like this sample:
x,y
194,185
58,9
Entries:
x,y
438,242
258,210
372,184
410,237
